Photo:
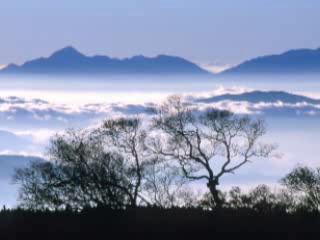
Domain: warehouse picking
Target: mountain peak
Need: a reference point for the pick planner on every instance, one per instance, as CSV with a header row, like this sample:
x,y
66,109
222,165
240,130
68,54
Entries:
x,y
67,52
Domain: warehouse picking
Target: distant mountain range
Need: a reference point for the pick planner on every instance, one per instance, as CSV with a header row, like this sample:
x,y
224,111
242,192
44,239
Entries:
x,y
272,104
70,61
261,96
301,61
8,163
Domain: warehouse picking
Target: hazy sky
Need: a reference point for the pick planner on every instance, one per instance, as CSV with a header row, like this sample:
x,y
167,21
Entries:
x,y
205,31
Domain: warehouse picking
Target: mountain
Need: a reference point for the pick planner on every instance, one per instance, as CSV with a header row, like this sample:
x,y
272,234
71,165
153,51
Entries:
x,y
70,61
8,165
272,104
261,96
301,61
10,162
12,142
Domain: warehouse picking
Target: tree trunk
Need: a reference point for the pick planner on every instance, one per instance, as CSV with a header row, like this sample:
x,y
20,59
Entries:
x,y
212,185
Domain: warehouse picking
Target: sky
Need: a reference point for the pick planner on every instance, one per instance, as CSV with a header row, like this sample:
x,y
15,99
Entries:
x,y
209,32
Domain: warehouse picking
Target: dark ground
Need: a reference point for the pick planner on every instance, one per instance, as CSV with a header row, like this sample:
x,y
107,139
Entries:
x,y
151,223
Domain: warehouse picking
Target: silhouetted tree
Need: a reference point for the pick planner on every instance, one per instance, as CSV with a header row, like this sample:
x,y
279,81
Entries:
x,y
152,180
262,199
207,202
80,173
127,162
305,183
207,144
164,185
127,137
237,199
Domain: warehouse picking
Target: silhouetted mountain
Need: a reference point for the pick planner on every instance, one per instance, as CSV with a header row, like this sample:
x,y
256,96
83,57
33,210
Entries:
x,y
10,162
301,61
12,142
69,61
270,104
261,96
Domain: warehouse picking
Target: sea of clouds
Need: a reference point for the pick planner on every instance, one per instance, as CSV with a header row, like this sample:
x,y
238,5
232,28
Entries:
x,y
26,125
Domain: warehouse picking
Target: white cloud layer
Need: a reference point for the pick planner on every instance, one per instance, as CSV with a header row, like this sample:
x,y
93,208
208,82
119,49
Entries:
x,y
36,120
215,67
27,125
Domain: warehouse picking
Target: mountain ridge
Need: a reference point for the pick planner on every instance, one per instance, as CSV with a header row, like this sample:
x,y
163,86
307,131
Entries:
x,y
296,61
69,60
261,96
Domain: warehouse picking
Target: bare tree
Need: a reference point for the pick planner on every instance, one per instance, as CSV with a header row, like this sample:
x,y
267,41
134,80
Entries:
x,y
305,183
127,137
209,144
153,179
164,185
108,166
121,164
80,173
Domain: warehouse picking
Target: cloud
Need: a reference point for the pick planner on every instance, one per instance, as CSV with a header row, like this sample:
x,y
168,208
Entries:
x,y
28,125
274,109
21,144
220,90
19,114
215,67
39,136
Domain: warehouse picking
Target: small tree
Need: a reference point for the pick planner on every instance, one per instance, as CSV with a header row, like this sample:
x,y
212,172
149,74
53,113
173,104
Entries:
x,y
305,183
261,200
209,144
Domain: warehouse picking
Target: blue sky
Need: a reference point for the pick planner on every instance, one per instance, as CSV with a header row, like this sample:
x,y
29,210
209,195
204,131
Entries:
x,y
205,31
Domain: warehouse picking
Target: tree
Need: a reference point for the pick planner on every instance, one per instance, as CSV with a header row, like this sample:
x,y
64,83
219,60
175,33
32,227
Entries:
x,y
109,166
127,137
305,183
207,202
153,179
207,144
80,173
164,185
